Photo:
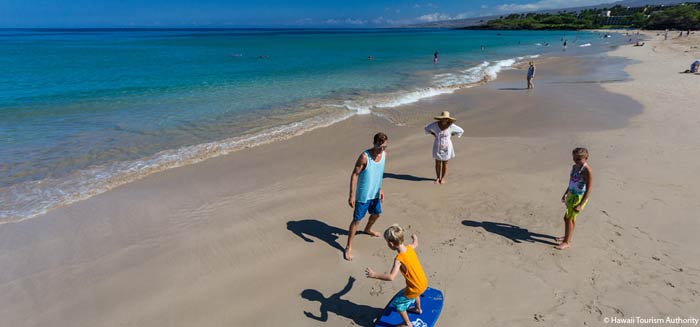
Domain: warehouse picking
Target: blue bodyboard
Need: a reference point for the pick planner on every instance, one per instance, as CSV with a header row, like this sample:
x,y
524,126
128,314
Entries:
x,y
431,303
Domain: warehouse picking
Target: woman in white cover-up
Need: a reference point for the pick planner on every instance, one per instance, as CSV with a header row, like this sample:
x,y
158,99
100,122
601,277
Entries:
x,y
443,130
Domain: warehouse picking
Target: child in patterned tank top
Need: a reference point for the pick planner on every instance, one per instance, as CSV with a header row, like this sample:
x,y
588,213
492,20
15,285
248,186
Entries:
x,y
576,195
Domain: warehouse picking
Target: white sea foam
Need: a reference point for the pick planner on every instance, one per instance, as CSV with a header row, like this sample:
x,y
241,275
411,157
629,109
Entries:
x,y
585,45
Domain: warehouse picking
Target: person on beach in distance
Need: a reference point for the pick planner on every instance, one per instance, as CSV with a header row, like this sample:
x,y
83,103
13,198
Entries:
x,y
407,263
435,57
443,130
694,67
366,189
530,76
576,194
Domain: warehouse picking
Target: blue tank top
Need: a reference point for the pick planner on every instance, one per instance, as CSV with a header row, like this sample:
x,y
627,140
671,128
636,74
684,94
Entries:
x,y
577,185
370,180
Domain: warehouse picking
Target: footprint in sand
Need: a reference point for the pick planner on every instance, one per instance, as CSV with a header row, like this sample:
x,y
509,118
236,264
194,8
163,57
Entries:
x,y
593,308
538,317
376,289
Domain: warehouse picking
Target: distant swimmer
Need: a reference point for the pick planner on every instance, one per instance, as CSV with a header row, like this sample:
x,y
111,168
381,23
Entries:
x,y
482,48
370,57
435,57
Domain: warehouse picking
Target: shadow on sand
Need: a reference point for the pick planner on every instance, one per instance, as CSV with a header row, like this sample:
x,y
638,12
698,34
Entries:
x,y
512,232
361,315
513,89
405,177
317,229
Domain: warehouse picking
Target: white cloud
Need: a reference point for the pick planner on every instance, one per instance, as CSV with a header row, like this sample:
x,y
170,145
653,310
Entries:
x,y
549,4
399,22
346,21
434,17
303,21
353,21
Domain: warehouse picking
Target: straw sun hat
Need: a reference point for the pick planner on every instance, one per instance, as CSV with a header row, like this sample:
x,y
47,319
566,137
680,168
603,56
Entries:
x,y
445,115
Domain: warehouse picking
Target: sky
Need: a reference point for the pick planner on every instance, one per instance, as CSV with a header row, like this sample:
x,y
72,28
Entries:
x,y
257,13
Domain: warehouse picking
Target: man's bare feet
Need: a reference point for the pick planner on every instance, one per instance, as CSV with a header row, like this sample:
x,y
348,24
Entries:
x,y
436,181
443,181
372,233
559,239
562,246
347,254
414,310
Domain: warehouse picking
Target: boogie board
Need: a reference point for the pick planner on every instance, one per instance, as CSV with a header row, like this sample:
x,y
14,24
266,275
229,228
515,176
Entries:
x,y
431,303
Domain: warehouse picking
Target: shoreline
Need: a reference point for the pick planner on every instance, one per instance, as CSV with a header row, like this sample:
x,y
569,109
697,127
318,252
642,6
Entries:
x,y
222,241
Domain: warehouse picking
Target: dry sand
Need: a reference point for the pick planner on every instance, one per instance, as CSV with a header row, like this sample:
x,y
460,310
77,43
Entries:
x,y
254,238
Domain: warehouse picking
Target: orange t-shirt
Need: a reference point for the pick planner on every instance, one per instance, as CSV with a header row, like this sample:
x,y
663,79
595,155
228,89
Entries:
x,y
416,282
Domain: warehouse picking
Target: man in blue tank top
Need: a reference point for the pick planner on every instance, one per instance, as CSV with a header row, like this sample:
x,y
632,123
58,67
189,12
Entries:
x,y
366,189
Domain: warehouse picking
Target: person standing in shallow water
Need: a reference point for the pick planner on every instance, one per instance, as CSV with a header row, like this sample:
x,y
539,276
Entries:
x,y
366,194
443,130
531,76
435,57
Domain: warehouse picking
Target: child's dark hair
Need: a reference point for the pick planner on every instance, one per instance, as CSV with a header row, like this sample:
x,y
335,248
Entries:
x,y
580,152
380,138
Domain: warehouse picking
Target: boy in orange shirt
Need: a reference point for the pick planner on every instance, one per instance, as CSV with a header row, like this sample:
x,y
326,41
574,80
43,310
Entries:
x,y
406,262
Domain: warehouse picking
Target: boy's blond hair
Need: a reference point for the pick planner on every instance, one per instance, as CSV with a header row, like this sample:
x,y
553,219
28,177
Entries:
x,y
394,234
580,152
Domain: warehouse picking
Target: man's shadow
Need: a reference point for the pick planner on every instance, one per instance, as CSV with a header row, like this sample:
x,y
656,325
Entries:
x,y
361,315
405,177
512,232
317,229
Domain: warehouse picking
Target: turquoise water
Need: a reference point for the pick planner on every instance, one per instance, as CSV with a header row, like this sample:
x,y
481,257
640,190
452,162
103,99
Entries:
x,y
85,110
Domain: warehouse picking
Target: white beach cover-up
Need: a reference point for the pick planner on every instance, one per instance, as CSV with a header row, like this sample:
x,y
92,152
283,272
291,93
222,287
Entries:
x,y
442,147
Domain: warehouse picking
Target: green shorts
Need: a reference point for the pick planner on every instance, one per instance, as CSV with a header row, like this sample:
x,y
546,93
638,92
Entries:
x,y
572,200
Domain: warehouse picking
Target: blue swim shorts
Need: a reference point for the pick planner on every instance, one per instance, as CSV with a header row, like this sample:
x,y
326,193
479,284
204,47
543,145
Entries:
x,y
373,206
402,303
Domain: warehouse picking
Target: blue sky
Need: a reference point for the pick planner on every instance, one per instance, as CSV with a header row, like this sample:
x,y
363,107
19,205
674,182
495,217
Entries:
x,y
257,13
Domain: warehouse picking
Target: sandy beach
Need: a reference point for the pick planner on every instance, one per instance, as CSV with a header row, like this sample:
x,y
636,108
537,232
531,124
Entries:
x,y
255,238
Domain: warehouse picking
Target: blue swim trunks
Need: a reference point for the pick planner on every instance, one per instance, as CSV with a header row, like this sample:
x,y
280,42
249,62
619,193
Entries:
x,y
373,206
402,303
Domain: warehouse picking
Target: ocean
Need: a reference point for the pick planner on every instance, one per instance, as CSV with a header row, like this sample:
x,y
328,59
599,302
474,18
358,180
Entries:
x,y
83,111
